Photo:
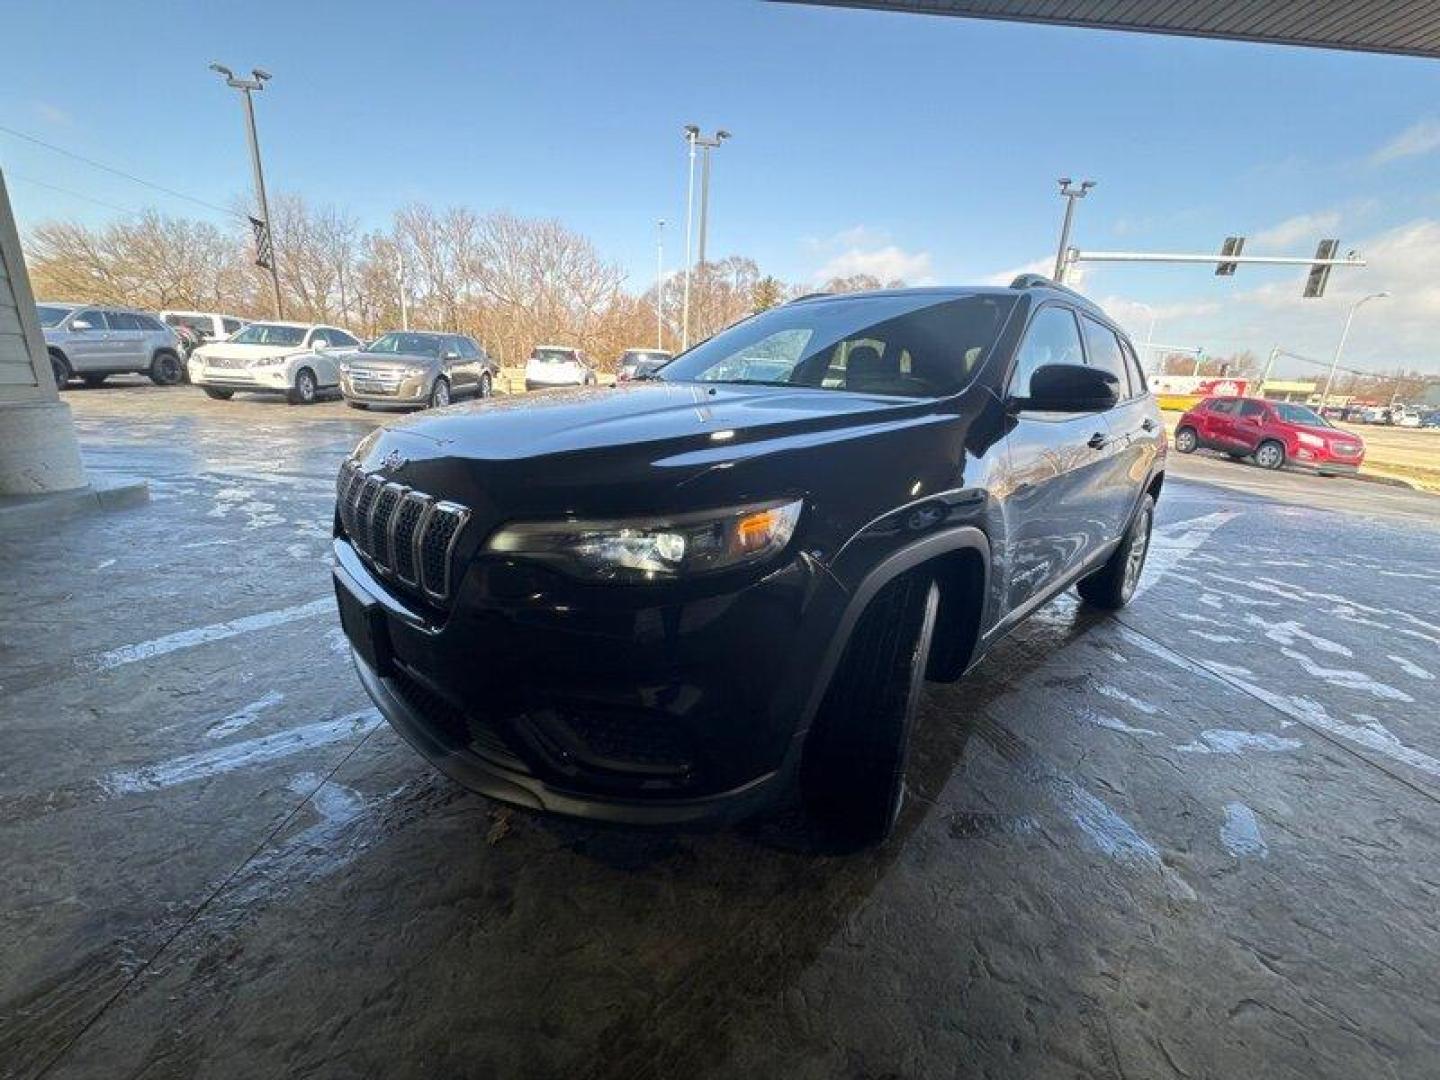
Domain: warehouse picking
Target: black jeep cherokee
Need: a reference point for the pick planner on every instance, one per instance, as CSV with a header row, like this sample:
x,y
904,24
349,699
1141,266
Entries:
x,y
667,601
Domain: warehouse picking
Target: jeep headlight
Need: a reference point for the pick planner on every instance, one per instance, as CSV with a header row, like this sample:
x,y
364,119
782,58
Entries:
x,y
654,548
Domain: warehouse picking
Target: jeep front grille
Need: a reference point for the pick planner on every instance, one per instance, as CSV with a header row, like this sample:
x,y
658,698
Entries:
x,y
403,533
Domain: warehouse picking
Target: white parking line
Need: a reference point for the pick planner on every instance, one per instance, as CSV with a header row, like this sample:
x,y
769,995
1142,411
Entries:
x,y
200,635
240,755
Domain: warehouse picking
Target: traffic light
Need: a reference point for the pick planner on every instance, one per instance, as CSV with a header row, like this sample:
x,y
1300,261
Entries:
x,y
1319,275
1234,245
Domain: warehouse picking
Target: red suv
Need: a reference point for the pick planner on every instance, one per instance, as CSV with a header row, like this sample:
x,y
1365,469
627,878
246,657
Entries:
x,y
1274,432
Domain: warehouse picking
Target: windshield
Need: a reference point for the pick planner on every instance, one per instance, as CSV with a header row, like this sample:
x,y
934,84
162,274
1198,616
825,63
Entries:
x,y
908,345
269,334
645,360
1299,414
199,323
51,316
553,356
408,344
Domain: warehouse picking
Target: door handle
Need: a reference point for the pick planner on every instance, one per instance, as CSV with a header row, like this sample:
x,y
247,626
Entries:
x,y
1097,441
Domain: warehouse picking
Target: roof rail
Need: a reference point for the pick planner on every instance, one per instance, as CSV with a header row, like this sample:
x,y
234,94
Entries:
x,y
1040,281
807,296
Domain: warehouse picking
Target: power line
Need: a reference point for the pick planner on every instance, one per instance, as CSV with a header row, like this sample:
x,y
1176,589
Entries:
x,y
76,195
119,172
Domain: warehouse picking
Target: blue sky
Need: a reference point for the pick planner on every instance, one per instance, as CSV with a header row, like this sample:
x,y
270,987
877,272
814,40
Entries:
x,y
922,147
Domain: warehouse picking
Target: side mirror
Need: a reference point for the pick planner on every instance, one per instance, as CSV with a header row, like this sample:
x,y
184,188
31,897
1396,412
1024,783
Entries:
x,y
320,343
450,357
80,324
1075,388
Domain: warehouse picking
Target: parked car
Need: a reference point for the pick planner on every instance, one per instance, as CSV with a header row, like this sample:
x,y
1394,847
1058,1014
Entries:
x,y
1274,433
205,326
638,363
417,368
1431,419
1404,416
558,365
298,360
671,604
93,342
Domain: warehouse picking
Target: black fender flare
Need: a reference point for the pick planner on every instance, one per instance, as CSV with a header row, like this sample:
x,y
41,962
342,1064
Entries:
x,y
923,550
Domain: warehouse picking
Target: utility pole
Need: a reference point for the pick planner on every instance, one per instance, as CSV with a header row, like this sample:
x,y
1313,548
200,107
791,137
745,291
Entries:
x,y
660,284
1070,194
1340,347
247,87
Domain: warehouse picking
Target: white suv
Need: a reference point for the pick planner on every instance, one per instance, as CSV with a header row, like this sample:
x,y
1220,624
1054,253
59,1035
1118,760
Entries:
x,y
295,359
558,365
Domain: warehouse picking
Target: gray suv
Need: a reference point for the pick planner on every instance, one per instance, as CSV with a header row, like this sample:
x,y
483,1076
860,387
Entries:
x,y
417,368
92,341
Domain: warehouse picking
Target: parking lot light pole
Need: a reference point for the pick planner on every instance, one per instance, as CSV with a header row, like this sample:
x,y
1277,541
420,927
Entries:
x,y
660,284
1340,346
1070,194
691,134
246,88
707,144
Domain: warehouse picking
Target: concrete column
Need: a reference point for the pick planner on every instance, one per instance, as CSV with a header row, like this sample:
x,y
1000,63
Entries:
x,y
38,451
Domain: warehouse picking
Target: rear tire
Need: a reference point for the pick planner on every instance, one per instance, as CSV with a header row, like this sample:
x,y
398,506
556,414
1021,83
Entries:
x,y
440,393
1270,454
853,775
305,389
1113,585
1186,441
218,395
165,369
60,369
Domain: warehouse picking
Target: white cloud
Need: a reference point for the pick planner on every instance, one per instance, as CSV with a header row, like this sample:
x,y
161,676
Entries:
x,y
886,263
1419,138
52,114
1306,228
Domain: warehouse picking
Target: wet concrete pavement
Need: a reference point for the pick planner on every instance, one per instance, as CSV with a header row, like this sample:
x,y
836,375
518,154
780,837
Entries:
x,y
1199,839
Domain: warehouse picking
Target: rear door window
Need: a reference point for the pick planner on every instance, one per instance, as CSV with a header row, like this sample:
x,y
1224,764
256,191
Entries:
x,y
1252,410
1224,406
123,320
1137,373
95,318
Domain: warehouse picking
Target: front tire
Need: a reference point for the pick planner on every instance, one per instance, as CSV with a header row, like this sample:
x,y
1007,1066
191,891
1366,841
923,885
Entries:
x,y
440,393
218,395
1186,441
60,369
1114,584
1270,455
487,387
853,775
165,369
305,389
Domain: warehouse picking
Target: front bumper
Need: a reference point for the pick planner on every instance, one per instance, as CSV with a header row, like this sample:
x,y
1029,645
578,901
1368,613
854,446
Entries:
x,y
257,379
665,714
409,390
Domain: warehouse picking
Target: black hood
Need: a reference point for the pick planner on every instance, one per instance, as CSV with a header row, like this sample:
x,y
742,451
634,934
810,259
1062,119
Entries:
x,y
645,448
592,418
